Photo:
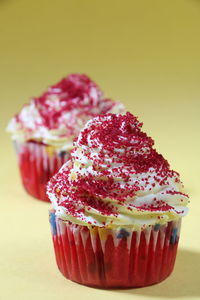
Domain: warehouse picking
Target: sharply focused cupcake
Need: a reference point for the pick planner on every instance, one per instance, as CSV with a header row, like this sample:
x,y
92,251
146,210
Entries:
x,y
44,130
117,207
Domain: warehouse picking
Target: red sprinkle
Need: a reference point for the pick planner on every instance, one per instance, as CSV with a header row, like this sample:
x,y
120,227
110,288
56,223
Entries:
x,y
123,150
76,92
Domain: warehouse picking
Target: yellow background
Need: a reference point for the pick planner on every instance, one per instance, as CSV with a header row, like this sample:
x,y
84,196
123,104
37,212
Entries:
x,y
145,53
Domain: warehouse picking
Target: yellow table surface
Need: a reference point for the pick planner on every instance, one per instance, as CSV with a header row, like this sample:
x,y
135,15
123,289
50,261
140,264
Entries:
x,y
144,53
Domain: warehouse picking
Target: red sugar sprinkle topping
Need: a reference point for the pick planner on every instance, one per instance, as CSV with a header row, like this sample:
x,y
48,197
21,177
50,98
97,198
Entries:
x,y
123,151
75,93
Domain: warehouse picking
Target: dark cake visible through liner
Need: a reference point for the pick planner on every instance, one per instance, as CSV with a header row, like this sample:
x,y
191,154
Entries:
x,y
137,259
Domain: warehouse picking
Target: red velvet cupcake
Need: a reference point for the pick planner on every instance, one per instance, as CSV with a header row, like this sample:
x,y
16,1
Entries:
x,y
117,207
43,131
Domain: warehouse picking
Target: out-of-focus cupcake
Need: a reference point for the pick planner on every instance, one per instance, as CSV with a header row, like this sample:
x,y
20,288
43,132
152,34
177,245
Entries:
x,y
117,207
44,130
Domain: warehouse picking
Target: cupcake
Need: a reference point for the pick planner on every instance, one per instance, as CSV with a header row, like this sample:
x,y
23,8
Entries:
x,y
44,130
117,207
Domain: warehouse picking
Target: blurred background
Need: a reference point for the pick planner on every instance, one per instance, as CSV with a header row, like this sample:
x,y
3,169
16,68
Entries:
x,y
143,53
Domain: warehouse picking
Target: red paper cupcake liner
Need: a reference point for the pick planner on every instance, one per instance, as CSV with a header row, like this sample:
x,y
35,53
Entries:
x,y
37,164
120,258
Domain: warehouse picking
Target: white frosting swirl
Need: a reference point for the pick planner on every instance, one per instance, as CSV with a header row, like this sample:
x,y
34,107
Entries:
x,y
116,178
58,115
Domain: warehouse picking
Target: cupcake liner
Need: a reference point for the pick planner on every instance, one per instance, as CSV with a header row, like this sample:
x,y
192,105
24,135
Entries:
x,y
115,258
37,164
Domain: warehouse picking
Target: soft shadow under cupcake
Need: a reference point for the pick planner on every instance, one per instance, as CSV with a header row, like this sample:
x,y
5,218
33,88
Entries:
x,y
184,281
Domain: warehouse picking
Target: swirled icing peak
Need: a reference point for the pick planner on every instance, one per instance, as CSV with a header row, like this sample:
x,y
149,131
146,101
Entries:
x,y
116,177
62,111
